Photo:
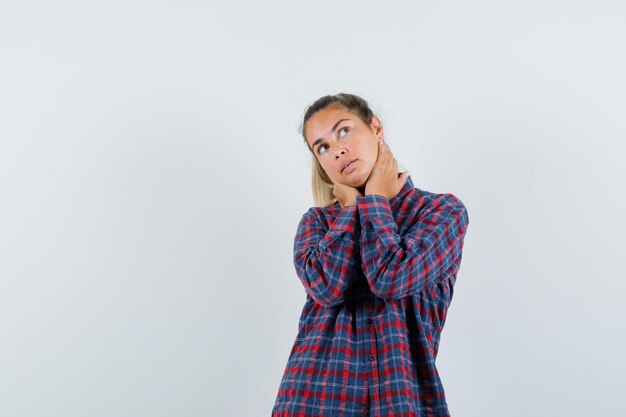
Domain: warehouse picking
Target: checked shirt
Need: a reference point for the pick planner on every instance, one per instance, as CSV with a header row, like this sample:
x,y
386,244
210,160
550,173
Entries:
x,y
379,278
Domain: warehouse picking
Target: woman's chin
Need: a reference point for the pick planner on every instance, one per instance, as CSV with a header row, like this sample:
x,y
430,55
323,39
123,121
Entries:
x,y
355,184
360,182
356,179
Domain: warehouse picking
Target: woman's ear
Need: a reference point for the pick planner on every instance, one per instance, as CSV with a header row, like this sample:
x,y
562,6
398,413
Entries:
x,y
377,127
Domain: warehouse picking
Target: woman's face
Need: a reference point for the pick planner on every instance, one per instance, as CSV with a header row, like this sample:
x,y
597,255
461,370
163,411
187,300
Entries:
x,y
337,137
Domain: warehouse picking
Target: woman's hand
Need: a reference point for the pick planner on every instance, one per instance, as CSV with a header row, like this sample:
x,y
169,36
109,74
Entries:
x,y
346,195
384,179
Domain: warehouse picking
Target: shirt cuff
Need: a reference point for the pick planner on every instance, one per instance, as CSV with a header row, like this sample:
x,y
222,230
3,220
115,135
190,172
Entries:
x,y
374,206
346,219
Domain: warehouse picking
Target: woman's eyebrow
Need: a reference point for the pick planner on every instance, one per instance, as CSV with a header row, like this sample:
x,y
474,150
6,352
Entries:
x,y
318,140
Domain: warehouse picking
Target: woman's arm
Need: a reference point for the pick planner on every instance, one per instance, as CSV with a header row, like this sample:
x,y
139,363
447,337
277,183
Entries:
x,y
397,266
324,259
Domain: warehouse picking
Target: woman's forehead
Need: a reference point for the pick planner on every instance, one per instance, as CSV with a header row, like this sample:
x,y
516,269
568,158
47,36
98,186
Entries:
x,y
322,122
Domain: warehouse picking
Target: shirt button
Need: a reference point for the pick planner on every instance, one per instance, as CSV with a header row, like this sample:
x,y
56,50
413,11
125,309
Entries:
x,y
369,321
371,357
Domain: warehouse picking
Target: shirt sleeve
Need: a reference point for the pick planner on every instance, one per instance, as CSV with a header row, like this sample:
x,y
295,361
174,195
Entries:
x,y
324,259
397,266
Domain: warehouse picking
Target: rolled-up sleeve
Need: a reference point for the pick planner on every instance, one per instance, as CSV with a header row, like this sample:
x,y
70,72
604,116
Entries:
x,y
324,256
400,265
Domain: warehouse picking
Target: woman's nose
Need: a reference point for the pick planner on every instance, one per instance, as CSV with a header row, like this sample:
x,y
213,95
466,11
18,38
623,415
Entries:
x,y
340,151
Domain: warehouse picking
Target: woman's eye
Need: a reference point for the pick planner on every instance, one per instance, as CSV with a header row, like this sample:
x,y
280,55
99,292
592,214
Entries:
x,y
347,128
319,149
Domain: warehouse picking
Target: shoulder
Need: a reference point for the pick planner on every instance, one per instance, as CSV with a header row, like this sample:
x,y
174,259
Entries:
x,y
321,214
426,197
424,204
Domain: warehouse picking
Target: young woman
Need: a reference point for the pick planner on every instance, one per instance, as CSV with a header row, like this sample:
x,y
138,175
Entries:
x,y
378,260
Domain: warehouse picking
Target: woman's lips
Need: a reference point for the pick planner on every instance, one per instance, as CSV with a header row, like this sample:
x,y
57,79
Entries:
x,y
349,166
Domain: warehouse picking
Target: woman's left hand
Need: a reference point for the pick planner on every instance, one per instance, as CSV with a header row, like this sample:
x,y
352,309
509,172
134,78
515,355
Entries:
x,y
384,179
345,194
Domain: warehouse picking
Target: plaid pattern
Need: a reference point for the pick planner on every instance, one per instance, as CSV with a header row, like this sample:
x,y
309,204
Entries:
x,y
379,278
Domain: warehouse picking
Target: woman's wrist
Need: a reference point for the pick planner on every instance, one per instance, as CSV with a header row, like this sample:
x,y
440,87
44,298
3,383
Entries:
x,y
372,192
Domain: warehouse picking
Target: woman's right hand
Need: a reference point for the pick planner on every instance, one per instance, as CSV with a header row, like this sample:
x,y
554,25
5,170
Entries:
x,y
346,195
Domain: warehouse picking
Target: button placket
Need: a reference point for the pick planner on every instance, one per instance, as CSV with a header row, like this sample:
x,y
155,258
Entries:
x,y
365,409
366,340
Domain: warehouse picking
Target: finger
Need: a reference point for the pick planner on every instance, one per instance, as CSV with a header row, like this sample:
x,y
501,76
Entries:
x,y
388,152
381,154
403,178
391,159
382,148
388,149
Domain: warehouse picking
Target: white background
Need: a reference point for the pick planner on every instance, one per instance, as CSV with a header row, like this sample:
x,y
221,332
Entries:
x,y
152,177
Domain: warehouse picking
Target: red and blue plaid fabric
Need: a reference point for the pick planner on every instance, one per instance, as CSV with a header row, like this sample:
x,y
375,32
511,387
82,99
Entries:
x,y
379,277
